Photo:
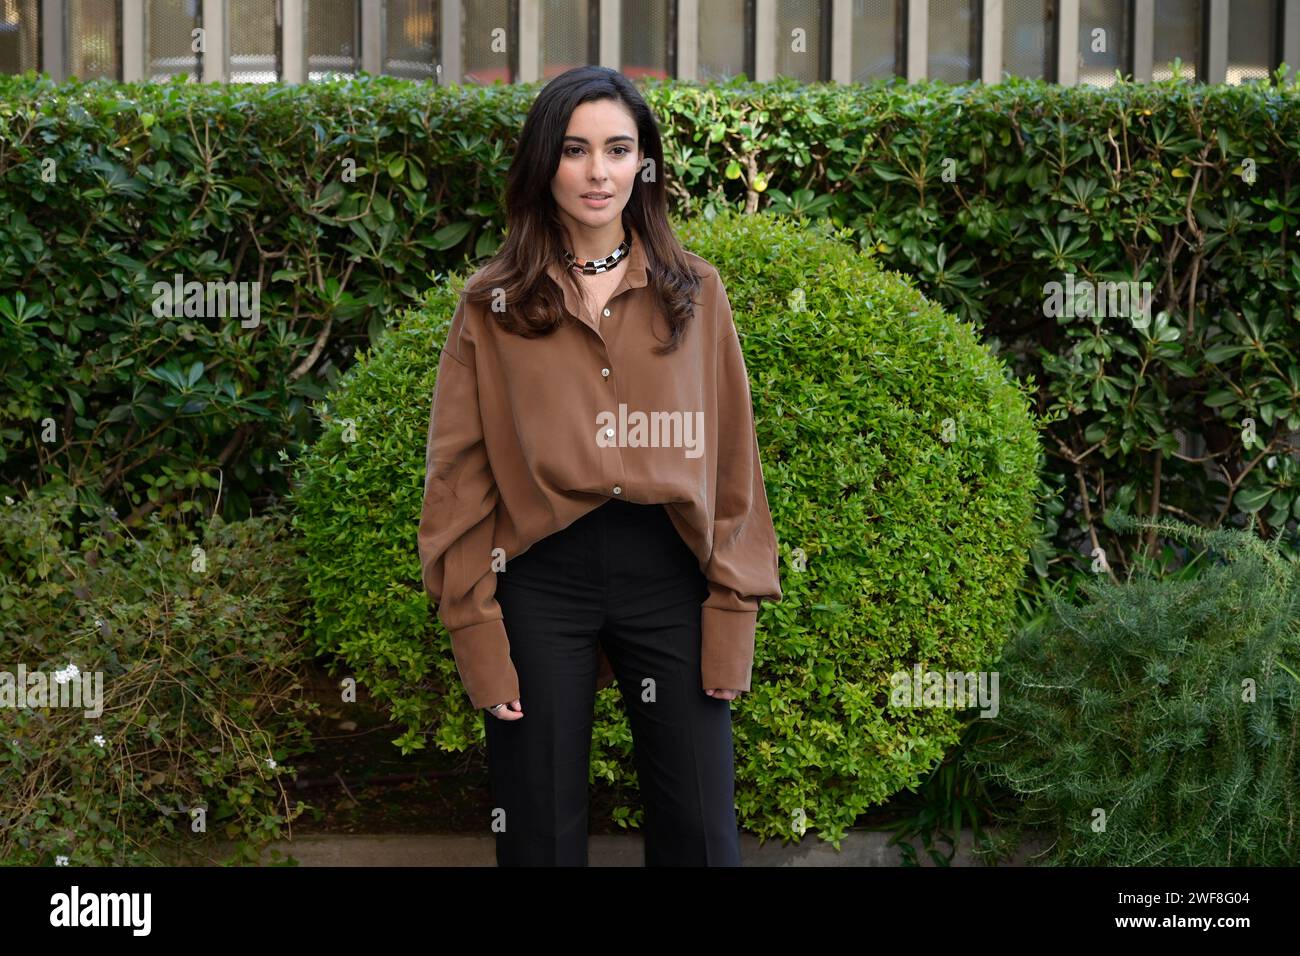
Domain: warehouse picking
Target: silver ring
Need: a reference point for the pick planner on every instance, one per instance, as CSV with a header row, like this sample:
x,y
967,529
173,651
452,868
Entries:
x,y
495,707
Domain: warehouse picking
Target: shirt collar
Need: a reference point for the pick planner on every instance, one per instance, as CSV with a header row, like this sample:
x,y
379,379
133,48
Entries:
x,y
635,274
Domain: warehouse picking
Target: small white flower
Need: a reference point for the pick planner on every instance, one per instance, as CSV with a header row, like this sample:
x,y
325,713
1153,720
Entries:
x,y
99,739
270,762
8,500
60,861
67,674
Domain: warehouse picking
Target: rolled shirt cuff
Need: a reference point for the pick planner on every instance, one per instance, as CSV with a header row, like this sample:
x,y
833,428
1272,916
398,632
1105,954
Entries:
x,y
726,647
482,654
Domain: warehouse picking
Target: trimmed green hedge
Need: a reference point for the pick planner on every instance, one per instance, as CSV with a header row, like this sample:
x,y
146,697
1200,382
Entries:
x,y
983,194
901,469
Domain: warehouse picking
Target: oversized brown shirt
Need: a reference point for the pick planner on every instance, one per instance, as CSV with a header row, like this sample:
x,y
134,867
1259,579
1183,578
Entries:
x,y
528,435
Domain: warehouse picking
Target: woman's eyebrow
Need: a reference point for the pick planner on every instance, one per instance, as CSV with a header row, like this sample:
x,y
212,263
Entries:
x,y
612,139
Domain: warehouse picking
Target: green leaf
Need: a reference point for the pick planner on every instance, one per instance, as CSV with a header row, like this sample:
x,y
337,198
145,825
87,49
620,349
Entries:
x,y
1219,353
449,236
383,208
1251,500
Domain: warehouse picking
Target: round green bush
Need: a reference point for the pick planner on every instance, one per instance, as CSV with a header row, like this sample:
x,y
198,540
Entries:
x,y
900,465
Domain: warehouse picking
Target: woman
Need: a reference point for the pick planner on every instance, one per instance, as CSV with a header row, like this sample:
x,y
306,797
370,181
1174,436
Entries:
x,y
593,490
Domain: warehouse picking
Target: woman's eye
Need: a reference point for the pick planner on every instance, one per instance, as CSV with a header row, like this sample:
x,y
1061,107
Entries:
x,y
568,150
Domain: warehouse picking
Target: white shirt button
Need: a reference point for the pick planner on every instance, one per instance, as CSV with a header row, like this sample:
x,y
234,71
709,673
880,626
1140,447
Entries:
x,y
607,311
609,432
618,490
605,372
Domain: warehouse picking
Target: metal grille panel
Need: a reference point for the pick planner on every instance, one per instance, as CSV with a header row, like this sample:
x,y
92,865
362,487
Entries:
x,y
332,37
486,40
563,38
798,54
1178,34
1104,28
952,52
1026,38
411,39
171,42
20,48
875,40
93,46
254,31
1252,38
644,41
721,53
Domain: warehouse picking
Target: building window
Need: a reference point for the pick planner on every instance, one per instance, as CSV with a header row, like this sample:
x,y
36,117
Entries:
x,y
1028,41
726,40
170,30
331,38
253,28
803,40
20,40
93,39
411,39
488,42
953,47
20,35
1253,40
569,36
877,30
646,44
1178,34
1104,41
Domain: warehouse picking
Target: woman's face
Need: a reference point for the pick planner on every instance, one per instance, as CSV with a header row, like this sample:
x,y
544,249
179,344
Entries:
x,y
600,153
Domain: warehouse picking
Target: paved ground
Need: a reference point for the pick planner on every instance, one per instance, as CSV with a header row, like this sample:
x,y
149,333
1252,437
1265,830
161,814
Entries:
x,y
857,849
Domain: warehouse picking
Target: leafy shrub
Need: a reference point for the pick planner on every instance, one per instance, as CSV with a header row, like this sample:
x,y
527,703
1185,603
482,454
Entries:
x,y
899,461
201,688
1156,724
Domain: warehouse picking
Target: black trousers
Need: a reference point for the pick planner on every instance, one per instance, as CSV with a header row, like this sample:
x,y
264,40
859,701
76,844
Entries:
x,y
622,576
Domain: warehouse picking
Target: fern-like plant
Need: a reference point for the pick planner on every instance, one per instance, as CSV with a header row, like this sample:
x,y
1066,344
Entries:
x,y
1156,724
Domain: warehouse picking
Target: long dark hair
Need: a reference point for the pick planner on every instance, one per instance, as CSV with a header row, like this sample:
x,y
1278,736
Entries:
x,y
535,235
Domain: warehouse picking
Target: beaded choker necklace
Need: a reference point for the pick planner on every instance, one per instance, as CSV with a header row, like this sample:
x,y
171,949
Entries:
x,y
592,267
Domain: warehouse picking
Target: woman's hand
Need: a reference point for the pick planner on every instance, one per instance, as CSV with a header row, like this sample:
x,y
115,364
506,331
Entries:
x,y
723,693
511,711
